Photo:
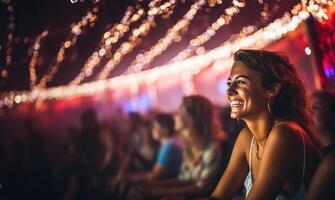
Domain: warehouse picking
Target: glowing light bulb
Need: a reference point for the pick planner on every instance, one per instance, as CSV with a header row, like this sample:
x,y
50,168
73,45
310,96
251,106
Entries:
x,y
308,51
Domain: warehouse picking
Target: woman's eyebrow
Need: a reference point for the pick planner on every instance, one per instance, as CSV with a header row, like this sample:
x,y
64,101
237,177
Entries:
x,y
240,76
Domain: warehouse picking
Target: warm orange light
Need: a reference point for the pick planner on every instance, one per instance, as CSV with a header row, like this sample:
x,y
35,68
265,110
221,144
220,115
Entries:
x,y
67,44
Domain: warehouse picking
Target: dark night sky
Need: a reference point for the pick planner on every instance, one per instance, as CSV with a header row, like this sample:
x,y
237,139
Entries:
x,y
56,16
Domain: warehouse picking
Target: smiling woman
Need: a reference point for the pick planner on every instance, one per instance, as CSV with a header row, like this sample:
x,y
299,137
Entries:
x,y
265,92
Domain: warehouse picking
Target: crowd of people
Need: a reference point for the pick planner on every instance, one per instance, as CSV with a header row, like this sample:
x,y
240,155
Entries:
x,y
273,142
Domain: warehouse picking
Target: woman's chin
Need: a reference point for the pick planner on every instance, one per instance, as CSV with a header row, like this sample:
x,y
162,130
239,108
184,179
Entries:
x,y
235,115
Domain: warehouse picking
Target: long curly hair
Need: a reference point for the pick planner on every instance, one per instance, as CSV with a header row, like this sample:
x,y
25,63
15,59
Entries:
x,y
328,103
272,68
202,119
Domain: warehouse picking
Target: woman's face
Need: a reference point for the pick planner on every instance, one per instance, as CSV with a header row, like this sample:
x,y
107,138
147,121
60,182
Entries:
x,y
245,93
180,119
156,131
319,113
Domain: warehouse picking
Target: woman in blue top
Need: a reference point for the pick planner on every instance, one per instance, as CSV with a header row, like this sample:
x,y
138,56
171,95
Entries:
x,y
167,164
169,157
274,155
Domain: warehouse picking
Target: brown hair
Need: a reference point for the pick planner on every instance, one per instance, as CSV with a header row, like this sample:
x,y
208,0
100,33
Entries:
x,y
272,68
165,120
328,101
202,119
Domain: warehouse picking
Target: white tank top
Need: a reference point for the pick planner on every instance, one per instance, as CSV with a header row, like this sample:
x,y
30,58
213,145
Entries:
x,y
301,193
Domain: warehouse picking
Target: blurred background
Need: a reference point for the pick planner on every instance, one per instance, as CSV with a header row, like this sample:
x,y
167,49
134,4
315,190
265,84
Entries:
x,y
60,59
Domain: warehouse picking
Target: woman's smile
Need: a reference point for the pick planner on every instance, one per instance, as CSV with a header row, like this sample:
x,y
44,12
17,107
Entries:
x,y
245,92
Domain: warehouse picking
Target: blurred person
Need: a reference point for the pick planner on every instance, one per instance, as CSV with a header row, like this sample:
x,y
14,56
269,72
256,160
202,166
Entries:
x,y
15,179
196,122
167,163
169,157
144,158
323,182
89,131
99,167
133,130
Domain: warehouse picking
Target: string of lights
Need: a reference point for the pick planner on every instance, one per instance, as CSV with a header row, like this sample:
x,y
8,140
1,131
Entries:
x,y
261,38
143,30
201,39
109,38
246,31
34,59
172,35
193,65
76,29
319,8
187,77
199,49
10,36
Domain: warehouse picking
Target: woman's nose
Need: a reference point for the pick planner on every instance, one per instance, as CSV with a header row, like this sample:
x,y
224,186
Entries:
x,y
231,89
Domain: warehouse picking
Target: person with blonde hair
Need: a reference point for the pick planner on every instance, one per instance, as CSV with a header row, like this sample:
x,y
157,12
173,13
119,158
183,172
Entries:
x,y
196,123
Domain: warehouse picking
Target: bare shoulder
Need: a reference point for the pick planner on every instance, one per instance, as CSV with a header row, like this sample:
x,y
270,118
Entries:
x,y
244,138
286,133
290,133
284,143
245,134
323,181
327,164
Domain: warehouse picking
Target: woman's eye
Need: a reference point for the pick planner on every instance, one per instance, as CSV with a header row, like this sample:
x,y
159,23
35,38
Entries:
x,y
316,107
239,82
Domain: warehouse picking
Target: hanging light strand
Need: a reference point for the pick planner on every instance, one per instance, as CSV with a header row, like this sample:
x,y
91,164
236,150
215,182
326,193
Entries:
x,y
34,59
10,37
109,38
194,65
319,8
201,39
76,29
133,41
265,36
172,35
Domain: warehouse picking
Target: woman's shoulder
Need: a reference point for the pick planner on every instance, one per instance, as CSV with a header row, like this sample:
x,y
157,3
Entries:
x,y
286,136
286,130
328,162
288,124
244,139
326,168
212,151
245,134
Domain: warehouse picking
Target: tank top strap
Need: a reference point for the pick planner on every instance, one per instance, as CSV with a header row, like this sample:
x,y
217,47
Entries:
x,y
304,156
279,123
250,151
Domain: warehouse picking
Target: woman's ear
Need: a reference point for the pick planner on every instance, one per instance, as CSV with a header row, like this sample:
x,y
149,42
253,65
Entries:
x,y
274,90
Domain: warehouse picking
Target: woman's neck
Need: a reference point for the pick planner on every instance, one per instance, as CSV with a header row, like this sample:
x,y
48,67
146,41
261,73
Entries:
x,y
260,127
195,153
326,139
194,147
164,140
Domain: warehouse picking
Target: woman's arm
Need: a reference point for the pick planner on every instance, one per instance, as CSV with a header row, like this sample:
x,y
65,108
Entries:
x,y
71,189
190,189
323,182
167,183
155,173
237,169
282,159
147,163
